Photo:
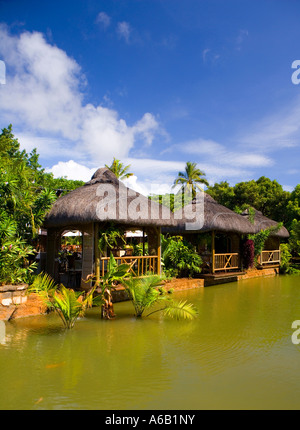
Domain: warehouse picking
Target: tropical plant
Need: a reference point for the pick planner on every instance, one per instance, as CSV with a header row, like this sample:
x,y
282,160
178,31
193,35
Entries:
x,y
45,286
114,275
67,303
285,258
259,239
119,169
147,293
111,237
15,266
70,305
172,201
294,239
190,179
179,257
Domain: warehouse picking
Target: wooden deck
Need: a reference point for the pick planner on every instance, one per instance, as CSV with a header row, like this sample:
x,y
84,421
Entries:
x,y
220,278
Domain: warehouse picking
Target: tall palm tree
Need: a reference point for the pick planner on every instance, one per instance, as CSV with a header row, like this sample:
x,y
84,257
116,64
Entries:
x,y
119,169
190,179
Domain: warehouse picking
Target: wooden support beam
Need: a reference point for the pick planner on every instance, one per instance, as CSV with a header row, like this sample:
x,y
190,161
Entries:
x,y
159,251
96,253
213,250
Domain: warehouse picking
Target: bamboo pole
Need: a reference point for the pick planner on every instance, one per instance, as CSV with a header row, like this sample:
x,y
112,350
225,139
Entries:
x,y
96,253
213,250
159,251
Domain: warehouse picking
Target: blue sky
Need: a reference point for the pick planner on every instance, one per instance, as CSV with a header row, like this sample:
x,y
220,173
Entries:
x,y
155,83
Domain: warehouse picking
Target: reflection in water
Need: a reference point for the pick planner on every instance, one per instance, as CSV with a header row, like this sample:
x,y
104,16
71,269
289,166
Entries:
x,y
237,354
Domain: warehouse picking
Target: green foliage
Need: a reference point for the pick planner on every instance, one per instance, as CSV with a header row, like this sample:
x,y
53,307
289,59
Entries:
x,y
181,310
173,201
223,193
143,292
264,195
179,257
70,304
260,238
119,169
115,273
147,293
44,286
15,267
285,258
190,179
294,239
27,193
111,237
67,303
22,194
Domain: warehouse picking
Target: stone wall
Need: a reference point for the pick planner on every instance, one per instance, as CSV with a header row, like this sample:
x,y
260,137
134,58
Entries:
x,y
179,284
256,273
13,294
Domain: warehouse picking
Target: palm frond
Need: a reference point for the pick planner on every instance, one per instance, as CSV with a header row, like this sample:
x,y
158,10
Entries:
x,y
181,310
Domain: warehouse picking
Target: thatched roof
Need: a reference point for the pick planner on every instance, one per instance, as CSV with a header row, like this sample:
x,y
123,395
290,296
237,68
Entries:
x,y
261,222
214,217
104,198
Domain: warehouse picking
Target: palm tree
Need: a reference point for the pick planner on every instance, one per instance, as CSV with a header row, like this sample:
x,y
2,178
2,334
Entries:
x,y
119,169
190,179
68,304
147,293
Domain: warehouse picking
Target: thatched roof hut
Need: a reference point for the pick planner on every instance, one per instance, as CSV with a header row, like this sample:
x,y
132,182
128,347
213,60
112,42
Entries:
x,y
212,216
262,222
105,198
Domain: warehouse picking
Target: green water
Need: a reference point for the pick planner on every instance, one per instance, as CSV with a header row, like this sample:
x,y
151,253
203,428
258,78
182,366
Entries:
x,y
238,354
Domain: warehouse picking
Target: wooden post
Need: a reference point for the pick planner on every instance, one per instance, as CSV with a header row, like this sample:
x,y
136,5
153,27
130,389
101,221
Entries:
x,y
87,254
51,252
143,240
213,250
159,251
96,253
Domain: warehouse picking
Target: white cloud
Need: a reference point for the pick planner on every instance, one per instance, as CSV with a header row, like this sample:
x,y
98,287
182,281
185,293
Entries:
x,y
124,30
204,54
240,38
48,147
278,131
220,155
43,96
161,184
103,19
72,170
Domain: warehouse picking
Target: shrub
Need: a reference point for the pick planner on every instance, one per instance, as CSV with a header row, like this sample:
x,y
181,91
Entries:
x,y
15,267
179,257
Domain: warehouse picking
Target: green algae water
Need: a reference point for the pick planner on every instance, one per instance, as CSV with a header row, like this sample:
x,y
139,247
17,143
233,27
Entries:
x,y
238,354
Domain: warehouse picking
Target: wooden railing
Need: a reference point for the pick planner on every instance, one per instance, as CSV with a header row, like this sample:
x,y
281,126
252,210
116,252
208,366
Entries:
x,y
226,261
140,265
269,257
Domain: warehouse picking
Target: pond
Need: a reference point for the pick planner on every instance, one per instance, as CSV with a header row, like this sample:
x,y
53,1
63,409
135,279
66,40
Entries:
x,y
238,354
